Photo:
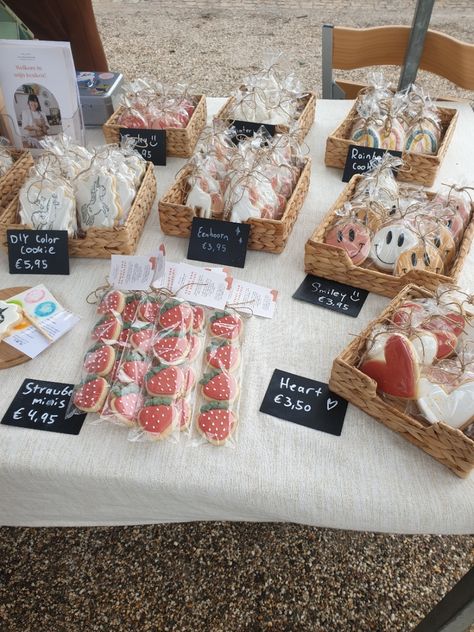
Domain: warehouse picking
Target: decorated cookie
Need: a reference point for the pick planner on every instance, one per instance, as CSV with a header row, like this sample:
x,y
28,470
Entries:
x,y
100,360
172,348
10,316
353,237
176,315
219,386
113,301
216,422
189,380
124,402
226,325
455,408
165,381
107,329
223,355
398,371
200,201
389,243
132,304
141,338
420,257
98,204
90,395
158,417
149,309
199,318
423,138
133,368
366,136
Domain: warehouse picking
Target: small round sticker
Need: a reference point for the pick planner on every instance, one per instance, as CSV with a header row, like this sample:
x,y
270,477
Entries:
x,y
36,295
45,309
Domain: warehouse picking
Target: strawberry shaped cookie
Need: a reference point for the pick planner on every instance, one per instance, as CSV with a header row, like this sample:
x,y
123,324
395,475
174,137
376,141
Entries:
x,y
99,360
167,381
158,417
124,402
216,422
219,386
113,301
149,309
189,379
176,316
227,325
130,311
172,348
199,318
133,368
141,338
223,355
90,395
108,329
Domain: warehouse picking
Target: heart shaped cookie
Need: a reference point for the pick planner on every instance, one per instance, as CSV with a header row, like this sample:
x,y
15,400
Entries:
x,y
397,372
455,408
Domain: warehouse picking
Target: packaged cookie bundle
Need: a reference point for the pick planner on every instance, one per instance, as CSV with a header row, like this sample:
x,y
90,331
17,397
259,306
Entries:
x,y
272,95
149,104
401,121
422,358
395,229
6,159
216,417
251,179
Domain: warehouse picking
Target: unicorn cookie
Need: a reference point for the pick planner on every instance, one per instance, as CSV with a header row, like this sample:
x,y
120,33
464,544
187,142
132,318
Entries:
x,y
97,200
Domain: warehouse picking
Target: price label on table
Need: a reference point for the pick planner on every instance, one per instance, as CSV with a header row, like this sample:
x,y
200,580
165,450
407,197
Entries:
x,y
361,159
149,143
38,251
244,129
215,241
42,405
305,402
337,297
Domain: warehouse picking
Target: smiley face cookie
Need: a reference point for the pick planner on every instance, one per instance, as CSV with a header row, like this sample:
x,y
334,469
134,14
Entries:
x,y
389,243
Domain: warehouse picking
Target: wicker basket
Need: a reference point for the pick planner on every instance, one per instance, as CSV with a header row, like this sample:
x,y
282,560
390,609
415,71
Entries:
x,y
180,142
334,263
12,180
305,119
269,235
101,243
446,444
421,168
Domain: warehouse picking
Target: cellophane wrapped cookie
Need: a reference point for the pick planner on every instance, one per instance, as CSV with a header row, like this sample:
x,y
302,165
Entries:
x,y
254,178
217,409
422,358
396,229
401,121
107,340
6,160
272,95
150,104
173,354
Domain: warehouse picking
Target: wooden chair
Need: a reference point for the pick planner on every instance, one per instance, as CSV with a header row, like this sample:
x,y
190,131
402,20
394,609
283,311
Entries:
x,y
347,48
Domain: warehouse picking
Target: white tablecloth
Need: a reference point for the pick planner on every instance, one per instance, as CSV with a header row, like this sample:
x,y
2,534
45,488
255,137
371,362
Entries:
x,y
367,479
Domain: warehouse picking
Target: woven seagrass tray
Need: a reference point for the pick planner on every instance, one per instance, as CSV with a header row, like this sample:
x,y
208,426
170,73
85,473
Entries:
x,y
269,235
180,142
420,168
101,243
334,263
304,123
12,180
446,444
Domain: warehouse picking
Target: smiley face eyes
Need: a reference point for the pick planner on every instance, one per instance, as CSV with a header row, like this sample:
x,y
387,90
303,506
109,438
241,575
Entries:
x,y
389,236
351,235
401,239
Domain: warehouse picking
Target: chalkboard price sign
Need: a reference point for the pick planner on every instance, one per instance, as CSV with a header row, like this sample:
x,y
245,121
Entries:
x,y
337,297
305,402
42,405
38,251
361,159
248,128
149,143
215,241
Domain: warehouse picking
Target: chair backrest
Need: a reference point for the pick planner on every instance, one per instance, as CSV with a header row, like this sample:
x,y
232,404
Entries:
x,y
347,48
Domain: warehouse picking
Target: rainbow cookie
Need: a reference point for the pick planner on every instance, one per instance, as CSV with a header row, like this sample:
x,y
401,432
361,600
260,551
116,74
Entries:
x,y
423,138
366,136
393,137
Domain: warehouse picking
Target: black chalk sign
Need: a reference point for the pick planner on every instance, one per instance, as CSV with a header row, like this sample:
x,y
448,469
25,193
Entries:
x,y
337,297
38,251
215,241
42,405
243,129
361,159
149,143
305,402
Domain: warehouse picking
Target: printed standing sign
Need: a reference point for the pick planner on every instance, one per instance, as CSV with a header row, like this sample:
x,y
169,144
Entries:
x,y
42,405
150,143
305,402
247,128
38,251
361,159
215,241
337,297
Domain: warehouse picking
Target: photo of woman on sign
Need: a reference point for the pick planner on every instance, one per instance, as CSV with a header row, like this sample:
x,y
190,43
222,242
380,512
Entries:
x,y
37,114
34,123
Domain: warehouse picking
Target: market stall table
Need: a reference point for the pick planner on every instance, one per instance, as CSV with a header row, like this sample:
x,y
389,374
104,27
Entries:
x,y
367,479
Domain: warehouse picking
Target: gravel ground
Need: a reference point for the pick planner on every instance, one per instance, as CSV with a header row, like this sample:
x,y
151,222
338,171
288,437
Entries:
x,y
219,576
